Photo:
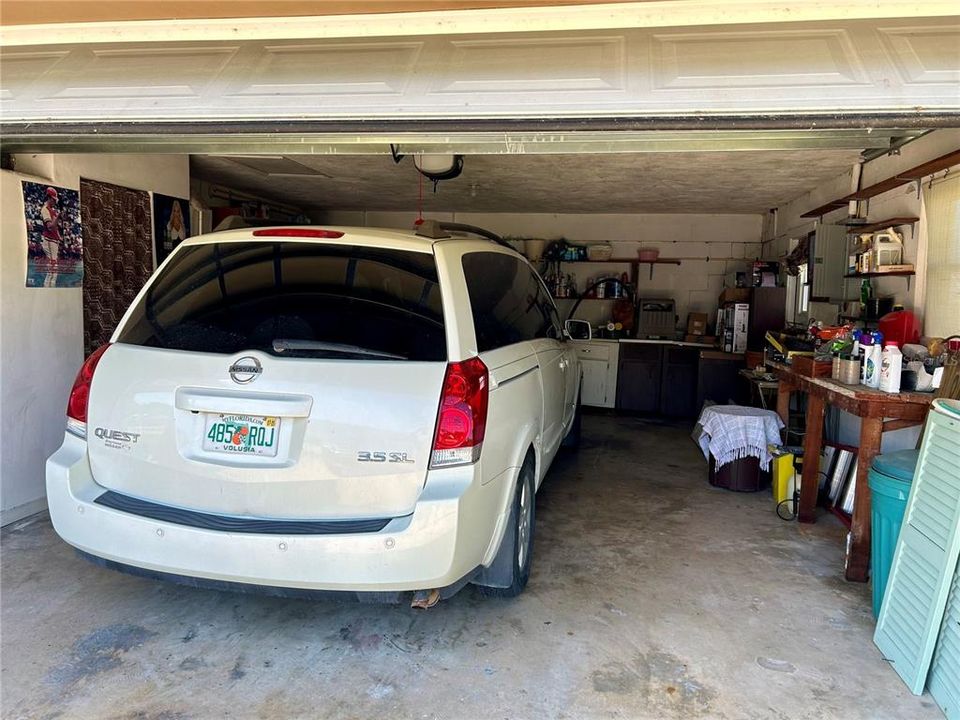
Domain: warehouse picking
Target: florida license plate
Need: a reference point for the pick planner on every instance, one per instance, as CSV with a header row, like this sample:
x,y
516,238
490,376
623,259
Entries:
x,y
241,434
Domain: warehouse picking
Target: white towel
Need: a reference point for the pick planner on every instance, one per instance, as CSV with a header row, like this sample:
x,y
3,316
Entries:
x,y
731,432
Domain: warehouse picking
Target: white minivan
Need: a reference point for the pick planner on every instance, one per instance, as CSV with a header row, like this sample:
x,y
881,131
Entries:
x,y
309,408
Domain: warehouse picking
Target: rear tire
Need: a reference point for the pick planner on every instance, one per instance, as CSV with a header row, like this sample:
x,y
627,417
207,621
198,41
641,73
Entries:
x,y
520,541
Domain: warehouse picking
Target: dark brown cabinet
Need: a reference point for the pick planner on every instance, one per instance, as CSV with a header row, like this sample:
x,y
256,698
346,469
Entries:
x,y
638,378
678,381
674,380
659,379
718,378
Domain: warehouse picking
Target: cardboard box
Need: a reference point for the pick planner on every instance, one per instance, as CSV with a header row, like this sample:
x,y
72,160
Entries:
x,y
734,295
696,323
806,365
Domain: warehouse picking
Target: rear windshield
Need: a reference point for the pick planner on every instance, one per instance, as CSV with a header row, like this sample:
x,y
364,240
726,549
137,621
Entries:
x,y
294,299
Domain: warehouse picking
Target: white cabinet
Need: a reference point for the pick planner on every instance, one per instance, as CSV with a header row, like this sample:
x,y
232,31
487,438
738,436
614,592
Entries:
x,y
599,361
829,257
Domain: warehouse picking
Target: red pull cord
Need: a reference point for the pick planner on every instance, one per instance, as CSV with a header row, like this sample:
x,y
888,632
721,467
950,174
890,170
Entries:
x,y
419,220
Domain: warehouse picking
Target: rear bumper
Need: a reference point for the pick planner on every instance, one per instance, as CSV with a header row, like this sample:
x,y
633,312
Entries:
x,y
443,541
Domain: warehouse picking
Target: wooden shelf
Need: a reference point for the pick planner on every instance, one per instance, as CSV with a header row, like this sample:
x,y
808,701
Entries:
x,y
634,263
896,273
824,209
857,318
907,176
620,261
628,261
890,222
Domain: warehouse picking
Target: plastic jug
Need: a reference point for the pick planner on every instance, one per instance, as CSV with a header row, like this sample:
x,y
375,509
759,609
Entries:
x,y
891,363
887,248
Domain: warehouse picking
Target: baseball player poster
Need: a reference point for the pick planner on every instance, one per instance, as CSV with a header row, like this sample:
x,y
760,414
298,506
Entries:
x,y
54,238
171,224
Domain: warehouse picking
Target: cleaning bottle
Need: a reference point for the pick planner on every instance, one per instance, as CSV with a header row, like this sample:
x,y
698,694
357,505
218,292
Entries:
x,y
866,343
891,364
866,292
873,360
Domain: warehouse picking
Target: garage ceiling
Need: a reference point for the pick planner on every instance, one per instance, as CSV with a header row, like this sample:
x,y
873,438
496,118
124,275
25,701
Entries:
x,y
704,182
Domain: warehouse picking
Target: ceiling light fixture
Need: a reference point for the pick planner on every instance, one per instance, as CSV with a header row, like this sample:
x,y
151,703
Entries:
x,y
438,167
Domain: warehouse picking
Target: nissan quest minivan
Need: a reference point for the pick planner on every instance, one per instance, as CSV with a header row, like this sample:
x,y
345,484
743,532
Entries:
x,y
340,409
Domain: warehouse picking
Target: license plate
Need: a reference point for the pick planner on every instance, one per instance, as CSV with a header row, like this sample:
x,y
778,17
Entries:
x,y
241,434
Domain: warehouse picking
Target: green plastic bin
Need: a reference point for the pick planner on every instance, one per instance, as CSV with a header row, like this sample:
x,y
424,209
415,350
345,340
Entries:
x,y
890,477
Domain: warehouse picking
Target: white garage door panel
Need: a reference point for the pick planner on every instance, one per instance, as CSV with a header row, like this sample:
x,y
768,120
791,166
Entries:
x,y
335,69
854,66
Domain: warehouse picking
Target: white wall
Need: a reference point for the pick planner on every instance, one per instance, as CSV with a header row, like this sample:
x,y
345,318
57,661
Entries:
x,y
727,240
902,201
41,330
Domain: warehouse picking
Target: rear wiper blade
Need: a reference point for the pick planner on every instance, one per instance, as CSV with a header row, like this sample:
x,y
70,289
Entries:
x,y
283,344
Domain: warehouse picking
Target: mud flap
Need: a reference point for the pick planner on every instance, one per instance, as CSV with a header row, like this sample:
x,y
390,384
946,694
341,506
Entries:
x,y
500,572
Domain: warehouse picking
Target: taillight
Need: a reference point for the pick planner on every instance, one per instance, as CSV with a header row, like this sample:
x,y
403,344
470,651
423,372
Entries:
x,y
298,232
462,418
80,394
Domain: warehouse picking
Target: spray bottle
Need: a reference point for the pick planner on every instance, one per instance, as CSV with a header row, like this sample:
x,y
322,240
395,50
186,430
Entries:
x,y
863,352
873,360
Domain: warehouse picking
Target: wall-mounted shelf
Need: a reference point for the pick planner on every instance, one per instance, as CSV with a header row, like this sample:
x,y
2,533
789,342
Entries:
x,y
824,209
907,176
616,261
895,273
633,262
899,273
659,261
857,318
890,222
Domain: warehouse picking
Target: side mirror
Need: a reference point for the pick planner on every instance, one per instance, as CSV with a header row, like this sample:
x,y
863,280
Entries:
x,y
578,329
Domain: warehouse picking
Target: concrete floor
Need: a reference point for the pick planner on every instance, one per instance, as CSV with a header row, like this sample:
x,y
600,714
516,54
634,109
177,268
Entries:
x,y
652,596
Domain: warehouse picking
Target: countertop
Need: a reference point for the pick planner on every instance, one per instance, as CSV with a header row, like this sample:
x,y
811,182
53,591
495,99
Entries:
x,y
681,343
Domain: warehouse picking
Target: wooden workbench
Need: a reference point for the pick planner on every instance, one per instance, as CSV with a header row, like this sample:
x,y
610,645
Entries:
x,y
878,412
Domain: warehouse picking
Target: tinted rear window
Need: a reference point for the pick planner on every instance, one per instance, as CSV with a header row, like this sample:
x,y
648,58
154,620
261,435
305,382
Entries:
x,y
509,302
322,299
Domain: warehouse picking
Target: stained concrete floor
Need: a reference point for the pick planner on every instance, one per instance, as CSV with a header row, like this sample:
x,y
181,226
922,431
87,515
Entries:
x,y
652,596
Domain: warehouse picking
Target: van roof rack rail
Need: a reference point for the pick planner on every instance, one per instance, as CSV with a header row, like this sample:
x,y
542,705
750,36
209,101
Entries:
x,y
439,229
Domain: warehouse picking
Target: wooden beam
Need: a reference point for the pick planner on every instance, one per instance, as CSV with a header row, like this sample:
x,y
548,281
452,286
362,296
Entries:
x,y
810,480
858,553
890,425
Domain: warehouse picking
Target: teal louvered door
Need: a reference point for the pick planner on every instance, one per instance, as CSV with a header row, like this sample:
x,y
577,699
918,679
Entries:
x,y
944,680
926,555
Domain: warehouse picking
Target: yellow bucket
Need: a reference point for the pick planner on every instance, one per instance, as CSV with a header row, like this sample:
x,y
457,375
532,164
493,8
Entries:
x,y
784,478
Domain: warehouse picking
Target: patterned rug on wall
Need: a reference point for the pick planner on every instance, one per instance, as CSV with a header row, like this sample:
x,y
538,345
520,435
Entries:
x,y
117,255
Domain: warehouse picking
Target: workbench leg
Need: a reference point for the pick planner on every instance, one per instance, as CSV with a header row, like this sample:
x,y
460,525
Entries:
x,y
858,554
784,390
810,480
